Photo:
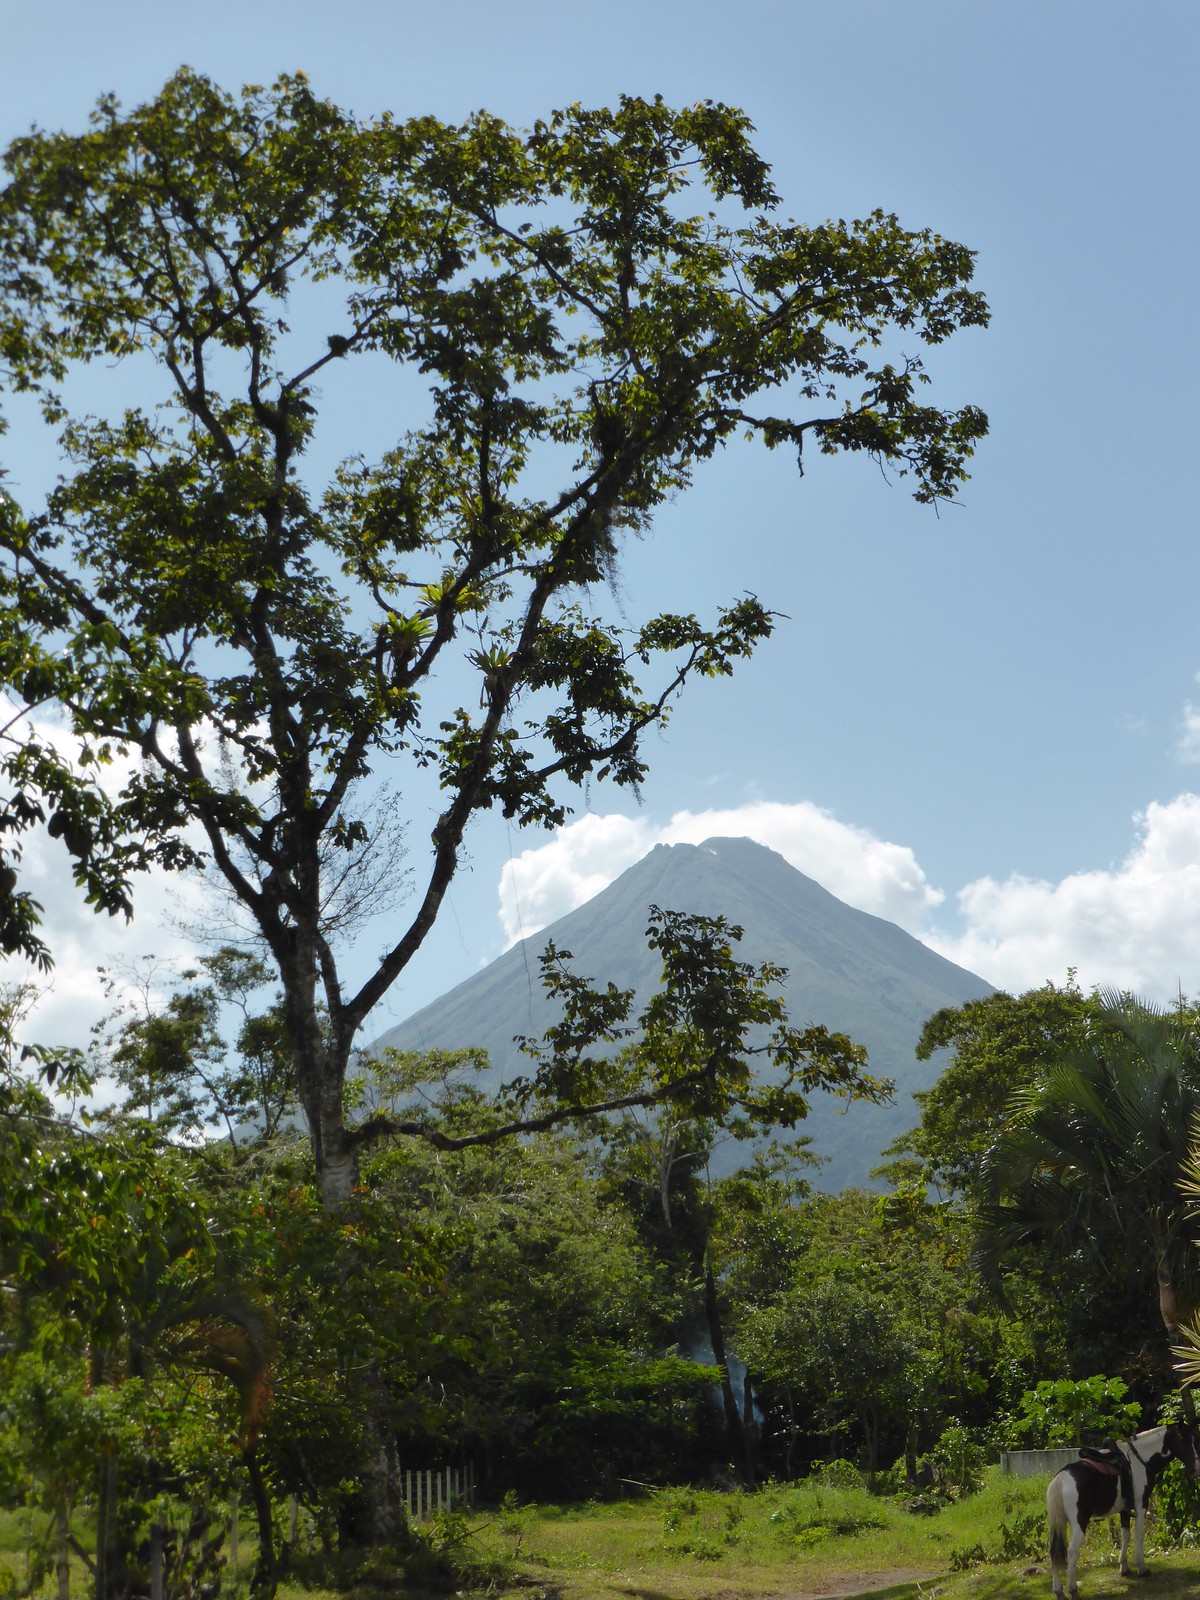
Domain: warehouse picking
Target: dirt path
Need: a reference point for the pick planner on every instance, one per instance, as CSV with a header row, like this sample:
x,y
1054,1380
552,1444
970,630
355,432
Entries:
x,y
861,1583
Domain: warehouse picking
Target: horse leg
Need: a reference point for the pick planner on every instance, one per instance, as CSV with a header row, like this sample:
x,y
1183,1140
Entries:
x,y
1057,1561
1078,1529
1067,1516
1123,1563
1058,1528
1139,1536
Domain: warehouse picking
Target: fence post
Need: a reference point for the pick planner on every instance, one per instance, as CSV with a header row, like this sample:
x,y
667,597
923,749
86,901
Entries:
x,y
432,1489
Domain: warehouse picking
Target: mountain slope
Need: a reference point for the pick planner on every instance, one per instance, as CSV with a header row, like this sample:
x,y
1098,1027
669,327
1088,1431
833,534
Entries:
x,y
847,969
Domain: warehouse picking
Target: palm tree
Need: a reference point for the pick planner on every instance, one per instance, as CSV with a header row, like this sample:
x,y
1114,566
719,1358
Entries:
x,y
1187,1350
1091,1157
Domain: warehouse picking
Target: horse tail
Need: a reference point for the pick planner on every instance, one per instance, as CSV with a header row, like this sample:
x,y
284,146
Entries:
x,y
1058,1521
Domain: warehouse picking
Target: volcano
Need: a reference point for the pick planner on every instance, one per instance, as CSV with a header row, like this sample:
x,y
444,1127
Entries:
x,y
854,972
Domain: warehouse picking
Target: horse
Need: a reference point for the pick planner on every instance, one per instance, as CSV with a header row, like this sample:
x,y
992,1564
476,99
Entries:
x,y
1117,1478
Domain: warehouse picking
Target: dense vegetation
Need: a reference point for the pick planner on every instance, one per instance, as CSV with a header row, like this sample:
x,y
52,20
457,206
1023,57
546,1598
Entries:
x,y
185,1322
252,1269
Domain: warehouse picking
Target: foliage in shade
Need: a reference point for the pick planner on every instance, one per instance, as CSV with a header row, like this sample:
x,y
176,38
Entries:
x,y
1090,1159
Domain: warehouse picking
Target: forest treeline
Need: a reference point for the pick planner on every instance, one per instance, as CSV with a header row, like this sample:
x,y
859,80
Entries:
x,y
183,1320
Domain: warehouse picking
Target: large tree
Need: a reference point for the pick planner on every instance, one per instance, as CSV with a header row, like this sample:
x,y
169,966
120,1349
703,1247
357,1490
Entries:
x,y
1089,1162
1000,1044
592,308
1058,1131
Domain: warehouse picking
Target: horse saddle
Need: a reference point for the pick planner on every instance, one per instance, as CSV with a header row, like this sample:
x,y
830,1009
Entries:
x,y
1109,1461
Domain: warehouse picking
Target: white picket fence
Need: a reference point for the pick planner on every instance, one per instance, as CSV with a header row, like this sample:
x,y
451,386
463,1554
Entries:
x,y
441,1489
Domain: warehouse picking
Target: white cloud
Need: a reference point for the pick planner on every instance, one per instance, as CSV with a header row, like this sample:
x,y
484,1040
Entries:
x,y
583,857
1135,927
81,941
541,885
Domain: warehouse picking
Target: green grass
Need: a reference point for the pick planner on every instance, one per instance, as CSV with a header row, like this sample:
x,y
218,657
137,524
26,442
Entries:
x,y
793,1540
803,1539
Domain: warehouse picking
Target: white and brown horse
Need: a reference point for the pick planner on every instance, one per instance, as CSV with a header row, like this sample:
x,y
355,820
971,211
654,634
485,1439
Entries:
x,y
1116,1479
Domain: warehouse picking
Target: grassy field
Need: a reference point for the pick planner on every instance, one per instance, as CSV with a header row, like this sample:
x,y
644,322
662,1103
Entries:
x,y
800,1539
806,1539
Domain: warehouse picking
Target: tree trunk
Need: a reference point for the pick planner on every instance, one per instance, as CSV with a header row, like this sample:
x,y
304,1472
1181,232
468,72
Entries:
x,y
62,1557
1168,1310
320,1063
264,1580
338,1170
750,1428
384,1523
910,1454
870,1427
105,1577
388,1526
321,1070
733,1417
333,1149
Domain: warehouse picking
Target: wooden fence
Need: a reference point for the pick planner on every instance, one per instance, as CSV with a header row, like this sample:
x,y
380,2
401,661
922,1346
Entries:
x,y
442,1489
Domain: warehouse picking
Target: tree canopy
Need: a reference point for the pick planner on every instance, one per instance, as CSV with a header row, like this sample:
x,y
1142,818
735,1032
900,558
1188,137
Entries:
x,y
593,307
294,626
1095,1148
1000,1044
1061,1130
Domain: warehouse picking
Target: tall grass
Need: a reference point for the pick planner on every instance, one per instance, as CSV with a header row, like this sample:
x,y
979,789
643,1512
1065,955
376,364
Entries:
x,y
688,1544
807,1537
790,1536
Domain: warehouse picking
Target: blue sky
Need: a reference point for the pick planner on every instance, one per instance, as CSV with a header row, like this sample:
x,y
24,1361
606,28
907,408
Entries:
x,y
980,724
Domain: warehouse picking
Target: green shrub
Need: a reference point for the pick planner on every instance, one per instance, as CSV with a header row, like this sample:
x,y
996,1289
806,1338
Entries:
x,y
675,1507
966,1556
1177,1507
1070,1412
925,1504
893,1479
959,1457
1024,1538
818,1511
442,1559
701,1525
840,1474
